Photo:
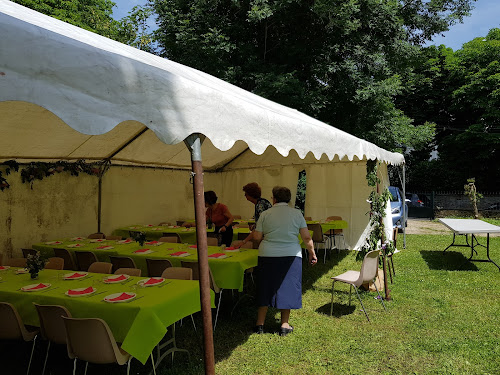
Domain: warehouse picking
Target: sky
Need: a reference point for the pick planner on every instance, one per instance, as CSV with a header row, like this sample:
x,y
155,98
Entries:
x,y
484,17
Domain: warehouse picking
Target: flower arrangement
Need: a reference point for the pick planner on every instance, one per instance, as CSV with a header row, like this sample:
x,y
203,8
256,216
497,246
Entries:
x,y
34,264
141,238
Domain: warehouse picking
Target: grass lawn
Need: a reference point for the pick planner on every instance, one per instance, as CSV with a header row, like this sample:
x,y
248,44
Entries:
x,y
443,319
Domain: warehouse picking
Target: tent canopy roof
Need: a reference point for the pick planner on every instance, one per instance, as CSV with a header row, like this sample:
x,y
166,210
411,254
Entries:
x,y
123,103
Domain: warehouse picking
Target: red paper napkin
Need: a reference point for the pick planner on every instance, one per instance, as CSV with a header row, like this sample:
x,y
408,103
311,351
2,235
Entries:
x,y
230,248
153,281
119,278
152,243
141,251
4,268
78,292
39,286
179,253
193,246
216,255
76,274
121,297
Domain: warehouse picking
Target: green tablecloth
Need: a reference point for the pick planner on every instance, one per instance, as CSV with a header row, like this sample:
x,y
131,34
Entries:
x,y
139,324
334,224
228,273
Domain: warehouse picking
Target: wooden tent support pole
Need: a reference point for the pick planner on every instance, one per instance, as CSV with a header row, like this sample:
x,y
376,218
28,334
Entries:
x,y
384,258
99,204
193,142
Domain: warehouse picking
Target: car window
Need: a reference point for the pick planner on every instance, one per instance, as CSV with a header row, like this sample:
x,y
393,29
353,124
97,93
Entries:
x,y
394,194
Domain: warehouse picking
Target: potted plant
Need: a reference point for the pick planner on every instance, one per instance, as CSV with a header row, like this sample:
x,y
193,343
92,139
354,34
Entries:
x,y
141,238
34,264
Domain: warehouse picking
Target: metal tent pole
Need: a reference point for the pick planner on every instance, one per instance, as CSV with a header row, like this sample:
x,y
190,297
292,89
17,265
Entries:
x,y
404,207
193,142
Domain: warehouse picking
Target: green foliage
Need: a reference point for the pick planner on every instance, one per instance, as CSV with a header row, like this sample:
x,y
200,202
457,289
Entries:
x,y
135,31
9,165
35,263
474,197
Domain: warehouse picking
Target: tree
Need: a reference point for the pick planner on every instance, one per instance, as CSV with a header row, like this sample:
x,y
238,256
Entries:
x,y
341,61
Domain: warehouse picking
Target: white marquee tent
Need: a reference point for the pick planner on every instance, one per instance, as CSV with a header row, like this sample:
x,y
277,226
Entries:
x,y
68,94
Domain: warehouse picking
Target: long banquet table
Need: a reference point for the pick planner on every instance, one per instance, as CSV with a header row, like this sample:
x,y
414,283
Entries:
x,y
139,324
228,272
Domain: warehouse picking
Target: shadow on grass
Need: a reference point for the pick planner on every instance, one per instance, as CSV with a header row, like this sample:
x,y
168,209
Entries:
x,y
339,309
449,261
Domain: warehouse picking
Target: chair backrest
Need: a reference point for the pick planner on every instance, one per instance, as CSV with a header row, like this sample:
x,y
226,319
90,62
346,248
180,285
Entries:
x,y
55,263
317,232
196,274
121,262
11,325
237,217
308,218
212,241
51,323
114,238
27,252
179,273
177,237
91,340
369,268
128,271
100,267
171,238
335,231
66,255
248,245
157,266
15,262
85,259
243,225
97,236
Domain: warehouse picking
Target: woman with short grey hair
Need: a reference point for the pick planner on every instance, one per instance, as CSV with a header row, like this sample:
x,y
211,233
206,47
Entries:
x,y
280,259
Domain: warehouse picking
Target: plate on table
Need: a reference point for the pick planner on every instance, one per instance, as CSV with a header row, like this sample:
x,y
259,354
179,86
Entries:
x,y
115,279
4,268
152,281
75,275
154,243
76,245
77,238
98,240
36,287
80,292
150,225
143,251
104,248
218,256
123,242
53,243
120,297
180,254
231,249
22,271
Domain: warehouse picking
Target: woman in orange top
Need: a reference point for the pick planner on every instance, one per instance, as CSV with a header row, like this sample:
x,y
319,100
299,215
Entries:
x,y
220,216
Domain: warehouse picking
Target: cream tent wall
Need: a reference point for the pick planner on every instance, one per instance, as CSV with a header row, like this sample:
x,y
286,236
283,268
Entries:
x,y
68,94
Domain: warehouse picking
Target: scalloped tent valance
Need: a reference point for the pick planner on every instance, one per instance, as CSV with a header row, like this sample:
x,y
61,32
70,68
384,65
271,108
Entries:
x,y
93,84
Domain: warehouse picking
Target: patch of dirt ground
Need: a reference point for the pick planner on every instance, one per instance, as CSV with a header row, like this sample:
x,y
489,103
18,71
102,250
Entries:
x,y
426,226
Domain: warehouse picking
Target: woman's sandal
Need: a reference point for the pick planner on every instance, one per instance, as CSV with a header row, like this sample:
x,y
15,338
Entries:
x,y
286,331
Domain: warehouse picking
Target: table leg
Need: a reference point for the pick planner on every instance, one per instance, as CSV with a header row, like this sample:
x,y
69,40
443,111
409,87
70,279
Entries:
x,y
488,250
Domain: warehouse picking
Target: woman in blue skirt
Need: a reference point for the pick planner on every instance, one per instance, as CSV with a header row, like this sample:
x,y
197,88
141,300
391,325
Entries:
x,y
280,259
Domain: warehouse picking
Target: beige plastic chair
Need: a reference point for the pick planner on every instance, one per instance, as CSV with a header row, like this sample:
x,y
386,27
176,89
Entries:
x,y
91,340
178,273
100,267
320,241
85,259
213,284
157,266
212,241
121,262
128,271
15,262
12,328
308,218
27,252
237,217
114,238
55,263
97,236
170,239
69,264
368,273
51,325
335,233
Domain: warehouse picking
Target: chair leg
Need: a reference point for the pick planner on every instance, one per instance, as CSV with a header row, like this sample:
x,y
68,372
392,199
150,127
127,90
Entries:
x,y
46,357
331,305
350,291
389,269
362,306
31,356
86,367
153,363
130,360
218,307
393,270
194,325
381,299
74,366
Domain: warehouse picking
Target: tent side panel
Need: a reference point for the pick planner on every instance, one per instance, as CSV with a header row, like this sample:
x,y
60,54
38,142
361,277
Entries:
x,y
59,206
145,196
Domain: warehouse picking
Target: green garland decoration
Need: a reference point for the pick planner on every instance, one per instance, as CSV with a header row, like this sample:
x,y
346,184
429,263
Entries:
x,y
378,202
40,170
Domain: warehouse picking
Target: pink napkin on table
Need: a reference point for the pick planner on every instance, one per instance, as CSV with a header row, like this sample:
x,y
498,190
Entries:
x,y
141,251
76,274
121,297
119,278
78,292
216,255
231,248
39,286
193,246
152,243
153,281
4,268
150,225
179,253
